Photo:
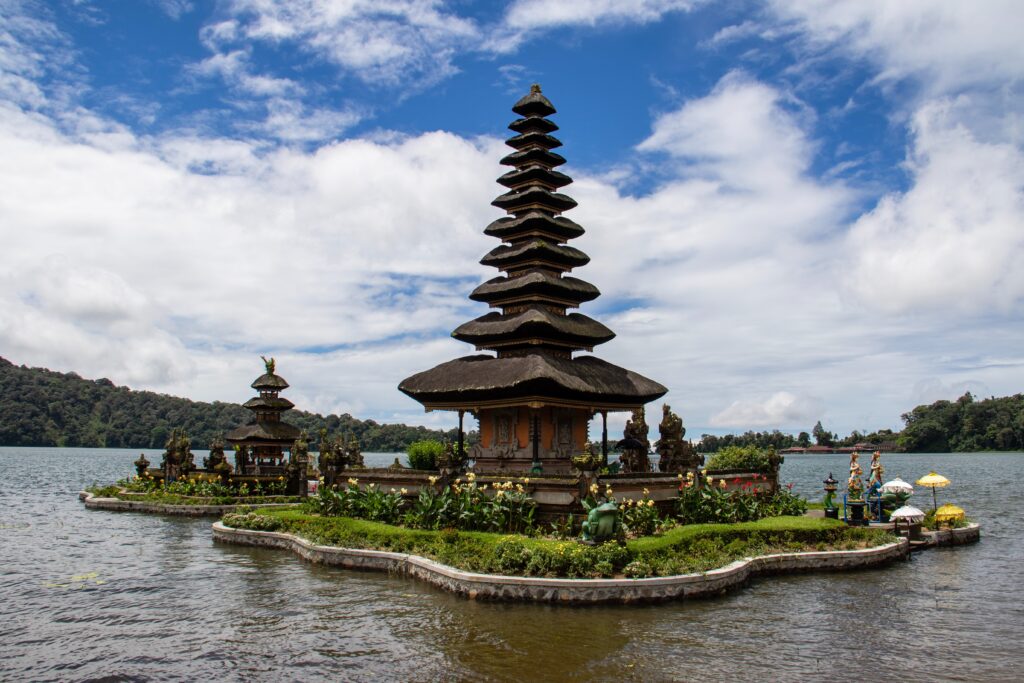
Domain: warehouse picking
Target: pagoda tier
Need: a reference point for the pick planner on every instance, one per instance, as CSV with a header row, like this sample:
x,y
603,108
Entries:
x,y
534,399
268,436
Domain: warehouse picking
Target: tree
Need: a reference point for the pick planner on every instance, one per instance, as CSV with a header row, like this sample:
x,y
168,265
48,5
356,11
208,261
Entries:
x,y
803,439
822,437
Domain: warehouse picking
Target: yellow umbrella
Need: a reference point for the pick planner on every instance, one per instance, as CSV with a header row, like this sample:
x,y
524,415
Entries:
x,y
935,481
948,513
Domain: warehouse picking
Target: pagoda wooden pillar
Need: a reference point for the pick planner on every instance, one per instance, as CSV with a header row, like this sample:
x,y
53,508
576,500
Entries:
x,y
461,438
604,437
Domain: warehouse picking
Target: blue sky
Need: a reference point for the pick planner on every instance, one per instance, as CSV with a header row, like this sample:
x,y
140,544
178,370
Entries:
x,y
796,210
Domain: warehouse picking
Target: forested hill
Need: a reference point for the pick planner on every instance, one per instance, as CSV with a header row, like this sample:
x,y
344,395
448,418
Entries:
x,y
992,424
40,407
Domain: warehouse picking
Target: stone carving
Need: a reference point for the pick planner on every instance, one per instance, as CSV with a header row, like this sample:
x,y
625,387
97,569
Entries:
x,y
676,455
330,464
563,445
141,464
602,523
269,364
635,444
505,442
353,454
216,456
178,459
295,470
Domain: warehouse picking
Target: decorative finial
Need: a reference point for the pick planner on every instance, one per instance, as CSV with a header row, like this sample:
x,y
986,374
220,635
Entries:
x,y
535,88
269,364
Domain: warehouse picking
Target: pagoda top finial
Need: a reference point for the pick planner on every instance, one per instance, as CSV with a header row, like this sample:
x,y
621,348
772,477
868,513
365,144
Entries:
x,y
269,364
534,103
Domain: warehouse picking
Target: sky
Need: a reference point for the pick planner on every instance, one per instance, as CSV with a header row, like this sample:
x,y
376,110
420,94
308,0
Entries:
x,y
796,210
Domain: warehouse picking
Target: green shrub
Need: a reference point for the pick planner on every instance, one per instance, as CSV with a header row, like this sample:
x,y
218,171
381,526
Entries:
x,y
252,521
750,458
423,455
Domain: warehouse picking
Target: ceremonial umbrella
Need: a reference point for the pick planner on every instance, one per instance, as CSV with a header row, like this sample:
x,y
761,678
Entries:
x,y
948,513
897,485
908,513
935,481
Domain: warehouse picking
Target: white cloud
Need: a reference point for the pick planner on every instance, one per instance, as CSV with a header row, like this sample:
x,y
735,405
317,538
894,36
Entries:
x,y
400,41
780,409
524,19
944,45
952,242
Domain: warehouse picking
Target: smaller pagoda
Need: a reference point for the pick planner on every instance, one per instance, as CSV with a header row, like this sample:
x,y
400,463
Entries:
x,y
260,445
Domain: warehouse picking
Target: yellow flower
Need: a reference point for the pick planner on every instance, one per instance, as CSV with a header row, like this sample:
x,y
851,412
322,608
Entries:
x,y
519,488
650,503
593,489
353,482
432,480
526,480
646,493
392,489
280,478
471,477
484,487
679,476
405,491
721,483
608,492
499,494
711,481
689,476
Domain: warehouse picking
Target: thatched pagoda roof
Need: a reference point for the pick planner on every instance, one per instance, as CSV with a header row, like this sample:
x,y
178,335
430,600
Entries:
x,y
533,324
268,403
269,382
274,432
535,284
484,380
534,224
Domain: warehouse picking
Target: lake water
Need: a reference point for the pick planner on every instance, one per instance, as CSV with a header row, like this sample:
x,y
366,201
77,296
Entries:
x,y
92,595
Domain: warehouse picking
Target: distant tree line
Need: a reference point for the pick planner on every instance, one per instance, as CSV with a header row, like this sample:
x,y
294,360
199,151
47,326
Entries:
x,y
992,424
40,407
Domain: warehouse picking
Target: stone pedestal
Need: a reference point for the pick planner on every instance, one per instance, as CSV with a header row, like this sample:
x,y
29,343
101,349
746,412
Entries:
x,y
855,513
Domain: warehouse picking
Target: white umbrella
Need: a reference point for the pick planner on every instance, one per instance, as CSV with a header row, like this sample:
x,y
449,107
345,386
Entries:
x,y
907,513
897,485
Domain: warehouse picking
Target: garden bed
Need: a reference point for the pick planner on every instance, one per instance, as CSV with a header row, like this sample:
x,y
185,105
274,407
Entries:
x,y
867,550
682,549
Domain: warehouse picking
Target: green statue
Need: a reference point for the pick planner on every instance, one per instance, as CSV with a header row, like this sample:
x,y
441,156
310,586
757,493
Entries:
x,y
270,365
602,523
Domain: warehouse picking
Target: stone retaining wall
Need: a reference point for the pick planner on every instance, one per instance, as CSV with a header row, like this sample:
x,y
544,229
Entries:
x,y
117,505
945,537
568,591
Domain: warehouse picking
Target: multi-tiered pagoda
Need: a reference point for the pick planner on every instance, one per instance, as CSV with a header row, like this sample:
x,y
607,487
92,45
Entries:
x,y
534,399
261,444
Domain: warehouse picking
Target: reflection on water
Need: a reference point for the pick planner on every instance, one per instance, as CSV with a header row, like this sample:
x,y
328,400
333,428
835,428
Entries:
x,y
90,594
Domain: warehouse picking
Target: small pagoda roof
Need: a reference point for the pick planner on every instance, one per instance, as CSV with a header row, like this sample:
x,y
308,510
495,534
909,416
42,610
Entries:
x,y
482,381
270,381
533,155
534,104
535,251
534,223
534,173
533,138
534,197
276,432
537,124
533,285
496,329
268,403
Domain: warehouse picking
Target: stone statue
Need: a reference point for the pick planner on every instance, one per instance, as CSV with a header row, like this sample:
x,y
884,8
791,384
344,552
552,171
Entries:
x,y
676,455
353,454
295,470
141,465
635,444
329,464
171,463
216,456
602,523
270,365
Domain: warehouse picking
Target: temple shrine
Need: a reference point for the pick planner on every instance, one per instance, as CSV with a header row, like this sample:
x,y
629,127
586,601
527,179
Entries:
x,y
534,398
260,445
